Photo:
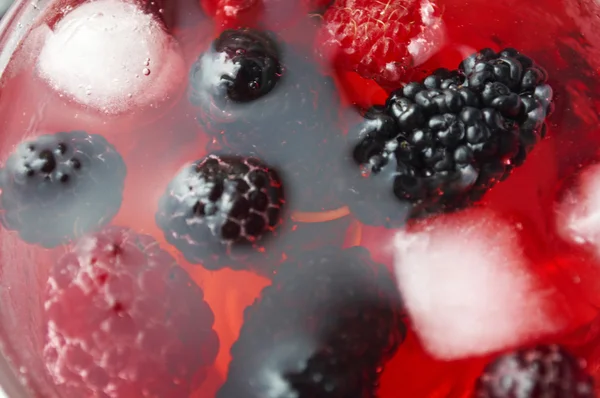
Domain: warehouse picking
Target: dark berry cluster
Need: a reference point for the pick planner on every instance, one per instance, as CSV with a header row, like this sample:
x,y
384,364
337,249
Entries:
x,y
289,119
324,326
539,372
218,210
440,144
59,186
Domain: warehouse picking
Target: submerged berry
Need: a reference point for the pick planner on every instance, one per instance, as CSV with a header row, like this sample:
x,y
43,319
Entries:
x,y
240,66
539,372
124,320
372,38
441,144
323,327
219,210
58,186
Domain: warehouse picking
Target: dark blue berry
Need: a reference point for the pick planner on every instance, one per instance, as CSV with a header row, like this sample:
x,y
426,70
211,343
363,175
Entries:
x,y
219,211
56,187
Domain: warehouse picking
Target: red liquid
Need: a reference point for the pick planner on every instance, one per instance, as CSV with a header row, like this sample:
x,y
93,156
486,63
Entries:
x,y
155,142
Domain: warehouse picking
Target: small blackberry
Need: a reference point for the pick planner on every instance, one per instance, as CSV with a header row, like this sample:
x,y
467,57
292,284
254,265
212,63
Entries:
x,y
217,211
328,321
241,66
440,144
539,372
58,186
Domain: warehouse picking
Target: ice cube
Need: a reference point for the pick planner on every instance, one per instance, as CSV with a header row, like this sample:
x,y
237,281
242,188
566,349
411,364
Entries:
x,y
433,36
578,210
111,56
468,287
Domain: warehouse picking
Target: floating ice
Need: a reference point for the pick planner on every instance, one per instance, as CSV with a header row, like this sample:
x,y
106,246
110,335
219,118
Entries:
x,y
433,36
578,212
112,56
467,287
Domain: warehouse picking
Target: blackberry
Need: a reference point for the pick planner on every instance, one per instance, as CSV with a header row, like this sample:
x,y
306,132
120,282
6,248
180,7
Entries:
x,y
441,144
324,326
241,66
294,127
218,210
540,372
58,186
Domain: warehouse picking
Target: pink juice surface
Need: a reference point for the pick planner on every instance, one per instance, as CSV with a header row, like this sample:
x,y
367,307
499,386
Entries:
x,y
188,210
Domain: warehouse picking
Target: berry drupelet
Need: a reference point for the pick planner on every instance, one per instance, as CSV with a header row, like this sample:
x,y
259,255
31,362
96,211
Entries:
x,y
324,326
58,186
218,211
441,144
539,372
124,320
290,119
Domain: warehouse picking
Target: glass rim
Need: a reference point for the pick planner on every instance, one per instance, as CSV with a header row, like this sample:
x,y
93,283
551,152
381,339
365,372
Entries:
x,y
27,13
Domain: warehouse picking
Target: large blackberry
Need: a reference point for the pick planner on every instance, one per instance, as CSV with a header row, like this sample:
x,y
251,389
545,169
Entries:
x,y
329,320
124,320
440,144
58,186
539,372
218,210
293,126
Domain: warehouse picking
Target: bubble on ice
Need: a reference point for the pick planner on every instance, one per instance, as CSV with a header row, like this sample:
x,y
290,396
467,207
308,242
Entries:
x,y
467,287
578,211
101,55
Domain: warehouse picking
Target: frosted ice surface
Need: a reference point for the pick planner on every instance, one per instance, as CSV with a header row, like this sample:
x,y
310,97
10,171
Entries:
x,y
433,36
467,286
578,213
110,55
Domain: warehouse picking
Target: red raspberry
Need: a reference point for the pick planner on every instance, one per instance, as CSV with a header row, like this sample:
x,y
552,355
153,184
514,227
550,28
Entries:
x,y
373,37
266,14
124,320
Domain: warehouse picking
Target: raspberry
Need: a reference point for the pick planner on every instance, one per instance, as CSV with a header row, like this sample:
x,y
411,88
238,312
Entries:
x,y
264,14
124,320
324,326
219,210
540,372
371,37
56,187
444,142
294,126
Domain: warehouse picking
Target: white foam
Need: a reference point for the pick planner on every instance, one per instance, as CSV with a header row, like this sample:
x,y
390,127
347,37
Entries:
x,y
111,56
467,287
578,213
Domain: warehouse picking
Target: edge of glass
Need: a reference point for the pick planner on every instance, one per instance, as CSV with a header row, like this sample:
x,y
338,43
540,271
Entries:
x,y
11,35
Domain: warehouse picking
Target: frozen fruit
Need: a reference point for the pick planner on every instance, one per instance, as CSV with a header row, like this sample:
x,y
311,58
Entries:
x,y
440,144
240,66
539,372
324,326
218,211
371,37
124,320
58,186
293,127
